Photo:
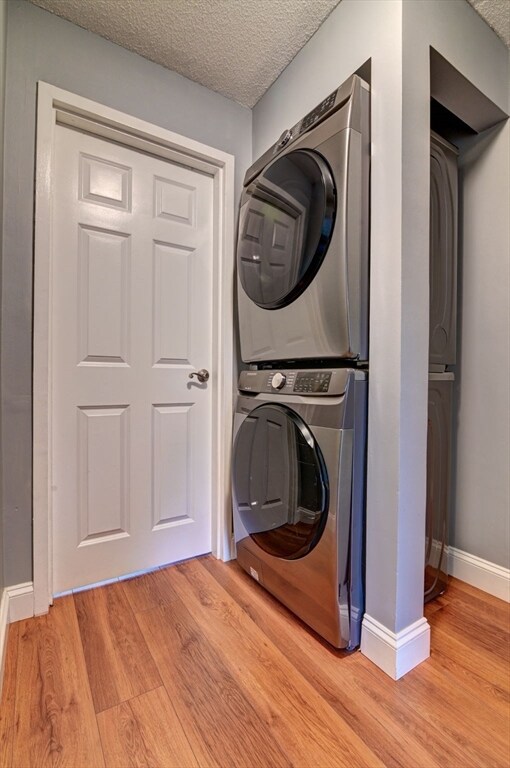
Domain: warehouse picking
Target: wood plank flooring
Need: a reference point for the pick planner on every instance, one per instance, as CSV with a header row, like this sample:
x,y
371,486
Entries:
x,y
196,665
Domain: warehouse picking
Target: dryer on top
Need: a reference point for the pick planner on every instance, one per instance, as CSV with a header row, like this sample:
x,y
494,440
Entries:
x,y
302,247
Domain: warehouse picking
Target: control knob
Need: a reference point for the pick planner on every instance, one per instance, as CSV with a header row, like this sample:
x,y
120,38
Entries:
x,y
284,139
278,381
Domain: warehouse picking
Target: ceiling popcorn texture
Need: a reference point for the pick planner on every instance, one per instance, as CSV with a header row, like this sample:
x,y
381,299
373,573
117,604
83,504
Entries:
x,y
235,47
497,15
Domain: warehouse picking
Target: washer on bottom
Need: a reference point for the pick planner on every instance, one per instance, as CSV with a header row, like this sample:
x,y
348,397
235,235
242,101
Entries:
x,y
299,493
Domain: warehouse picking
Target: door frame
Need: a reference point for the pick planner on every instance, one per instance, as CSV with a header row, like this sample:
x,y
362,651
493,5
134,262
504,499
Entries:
x,y
58,107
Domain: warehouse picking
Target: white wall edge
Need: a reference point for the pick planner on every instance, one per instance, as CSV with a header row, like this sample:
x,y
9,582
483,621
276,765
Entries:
x,y
480,573
21,601
395,653
4,623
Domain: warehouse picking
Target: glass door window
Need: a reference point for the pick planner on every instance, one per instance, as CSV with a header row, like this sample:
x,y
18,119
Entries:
x,y
285,226
280,482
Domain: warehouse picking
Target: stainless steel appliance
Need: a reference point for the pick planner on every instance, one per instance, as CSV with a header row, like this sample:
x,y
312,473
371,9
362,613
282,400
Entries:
x,y
299,487
302,248
442,356
439,448
443,253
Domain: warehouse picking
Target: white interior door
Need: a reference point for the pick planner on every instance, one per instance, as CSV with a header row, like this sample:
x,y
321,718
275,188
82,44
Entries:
x,y
131,318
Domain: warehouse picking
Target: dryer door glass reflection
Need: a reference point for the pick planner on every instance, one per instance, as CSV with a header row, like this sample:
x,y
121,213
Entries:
x,y
285,226
280,482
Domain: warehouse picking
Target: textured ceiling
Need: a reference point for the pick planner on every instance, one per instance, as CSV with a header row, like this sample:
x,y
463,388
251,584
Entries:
x,y
235,47
497,15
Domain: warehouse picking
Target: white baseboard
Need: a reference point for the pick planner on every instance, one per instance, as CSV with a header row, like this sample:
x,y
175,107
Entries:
x,y
21,601
480,573
395,653
4,623
16,603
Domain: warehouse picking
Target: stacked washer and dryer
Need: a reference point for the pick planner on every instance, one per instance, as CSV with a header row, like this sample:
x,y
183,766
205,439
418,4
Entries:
x,y
300,422
442,358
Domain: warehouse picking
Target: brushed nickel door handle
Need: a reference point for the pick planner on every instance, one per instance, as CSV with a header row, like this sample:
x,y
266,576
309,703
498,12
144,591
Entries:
x,y
202,375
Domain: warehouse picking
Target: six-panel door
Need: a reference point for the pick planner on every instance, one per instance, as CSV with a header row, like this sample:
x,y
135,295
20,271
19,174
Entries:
x,y
131,318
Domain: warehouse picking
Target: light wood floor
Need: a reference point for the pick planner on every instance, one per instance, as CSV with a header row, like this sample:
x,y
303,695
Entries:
x,y
195,665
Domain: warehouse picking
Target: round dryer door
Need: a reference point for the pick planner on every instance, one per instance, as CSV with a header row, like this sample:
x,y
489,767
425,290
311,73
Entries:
x,y
285,226
280,482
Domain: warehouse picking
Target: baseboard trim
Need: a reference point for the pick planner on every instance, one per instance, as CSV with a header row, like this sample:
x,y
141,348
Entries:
x,y
395,653
21,601
480,573
4,624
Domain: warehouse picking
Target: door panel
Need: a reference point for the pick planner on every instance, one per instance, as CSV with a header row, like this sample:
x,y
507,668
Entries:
x,y
172,324
103,497
131,318
103,296
171,428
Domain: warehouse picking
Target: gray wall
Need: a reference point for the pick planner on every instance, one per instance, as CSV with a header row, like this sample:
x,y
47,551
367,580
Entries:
x,y
3,30
482,418
41,46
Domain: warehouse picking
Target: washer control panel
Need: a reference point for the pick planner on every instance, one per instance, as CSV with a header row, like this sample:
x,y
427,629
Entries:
x,y
312,382
278,380
305,382
316,114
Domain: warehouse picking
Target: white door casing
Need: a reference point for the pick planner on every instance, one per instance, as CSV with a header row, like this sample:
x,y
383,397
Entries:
x,y
124,377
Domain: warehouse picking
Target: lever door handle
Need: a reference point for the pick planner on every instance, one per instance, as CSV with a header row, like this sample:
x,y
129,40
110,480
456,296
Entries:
x,y
202,375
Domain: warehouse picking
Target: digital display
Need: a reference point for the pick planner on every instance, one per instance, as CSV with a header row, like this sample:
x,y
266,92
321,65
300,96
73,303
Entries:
x,y
312,382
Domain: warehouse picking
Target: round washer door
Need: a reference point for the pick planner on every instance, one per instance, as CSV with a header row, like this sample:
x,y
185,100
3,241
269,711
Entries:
x,y
285,227
280,482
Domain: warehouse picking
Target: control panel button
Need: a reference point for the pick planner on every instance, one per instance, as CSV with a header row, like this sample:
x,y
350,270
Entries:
x,y
278,380
318,112
313,382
